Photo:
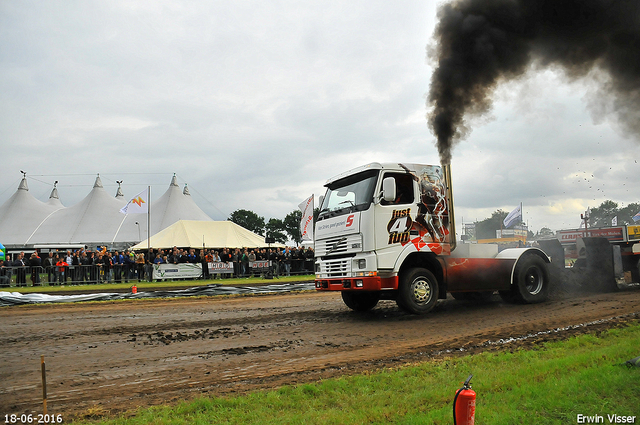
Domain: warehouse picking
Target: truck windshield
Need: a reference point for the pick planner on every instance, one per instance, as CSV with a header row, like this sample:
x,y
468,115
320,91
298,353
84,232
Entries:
x,y
353,193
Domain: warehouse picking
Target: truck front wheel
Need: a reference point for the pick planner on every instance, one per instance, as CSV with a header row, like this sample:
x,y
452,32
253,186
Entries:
x,y
531,280
360,301
417,291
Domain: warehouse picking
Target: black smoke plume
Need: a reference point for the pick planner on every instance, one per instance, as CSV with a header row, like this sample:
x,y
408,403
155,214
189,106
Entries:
x,y
481,43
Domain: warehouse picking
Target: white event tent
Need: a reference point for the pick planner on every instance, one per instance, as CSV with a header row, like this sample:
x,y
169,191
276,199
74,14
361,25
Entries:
x,y
207,234
26,222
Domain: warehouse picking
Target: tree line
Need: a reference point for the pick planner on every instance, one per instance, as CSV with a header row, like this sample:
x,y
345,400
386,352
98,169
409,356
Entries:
x,y
281,230
601,216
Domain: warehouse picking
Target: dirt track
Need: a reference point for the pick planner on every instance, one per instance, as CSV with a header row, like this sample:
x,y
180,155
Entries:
x,y
106,358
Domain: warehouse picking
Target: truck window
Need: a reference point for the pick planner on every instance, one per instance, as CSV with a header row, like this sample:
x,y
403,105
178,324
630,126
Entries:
x,y
353,193
404,189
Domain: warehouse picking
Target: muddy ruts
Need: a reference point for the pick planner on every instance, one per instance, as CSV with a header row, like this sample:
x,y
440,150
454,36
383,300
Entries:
x,y
479,43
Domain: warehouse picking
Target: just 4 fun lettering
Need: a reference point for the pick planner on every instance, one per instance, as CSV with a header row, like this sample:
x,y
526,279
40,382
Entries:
x,y
399,226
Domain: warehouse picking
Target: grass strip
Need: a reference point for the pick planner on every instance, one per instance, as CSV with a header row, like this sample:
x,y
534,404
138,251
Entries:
x,y
142,286
552,384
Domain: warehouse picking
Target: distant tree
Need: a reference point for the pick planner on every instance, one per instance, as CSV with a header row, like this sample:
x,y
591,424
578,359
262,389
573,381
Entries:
x,y
601,216
486,229
625,215
275,229
292,225
545,232
249,220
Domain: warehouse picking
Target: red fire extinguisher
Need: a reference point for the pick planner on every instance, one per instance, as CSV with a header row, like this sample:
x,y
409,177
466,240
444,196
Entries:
x,y
464,404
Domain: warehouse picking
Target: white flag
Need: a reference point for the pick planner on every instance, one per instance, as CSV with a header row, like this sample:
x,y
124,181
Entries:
x,y
513,217
614,221
306,223
139,204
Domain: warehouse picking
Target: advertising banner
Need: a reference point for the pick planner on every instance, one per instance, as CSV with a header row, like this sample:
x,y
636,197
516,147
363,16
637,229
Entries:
x,y
260,265
634,233
613,234
220,267
177,271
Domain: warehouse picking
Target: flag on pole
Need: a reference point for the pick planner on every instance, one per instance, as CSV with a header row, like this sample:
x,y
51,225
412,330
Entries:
x,y
513,217
614,221
139,204
636,217
306,222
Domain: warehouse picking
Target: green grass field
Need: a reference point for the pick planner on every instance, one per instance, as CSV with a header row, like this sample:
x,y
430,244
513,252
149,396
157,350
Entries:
x,y
552,384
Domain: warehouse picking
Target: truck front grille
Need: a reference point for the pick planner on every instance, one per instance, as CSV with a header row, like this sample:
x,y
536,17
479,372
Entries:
x,y
339,245
335,268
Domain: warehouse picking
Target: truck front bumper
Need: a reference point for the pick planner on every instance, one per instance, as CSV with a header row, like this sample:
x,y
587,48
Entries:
x,y
365,283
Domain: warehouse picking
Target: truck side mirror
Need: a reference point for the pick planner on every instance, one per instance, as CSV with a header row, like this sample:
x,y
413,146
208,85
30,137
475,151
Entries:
x,y
389,189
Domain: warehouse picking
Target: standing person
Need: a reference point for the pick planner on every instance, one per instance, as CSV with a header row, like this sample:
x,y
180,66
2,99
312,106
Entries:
x,y
98,262
68,272
19,267
235,258
85,266
49,267
192,258
308,260
205,265
5,275
93,267
118,261
62,269
126,266
244,262
35,264
225,257
108,267
140,266
287,261
149,256
251,259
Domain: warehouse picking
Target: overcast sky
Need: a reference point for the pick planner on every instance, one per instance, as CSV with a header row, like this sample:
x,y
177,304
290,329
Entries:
x,y
255,104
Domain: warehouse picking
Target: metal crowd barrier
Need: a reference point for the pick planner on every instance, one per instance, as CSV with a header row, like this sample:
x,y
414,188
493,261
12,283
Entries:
x,y
11,276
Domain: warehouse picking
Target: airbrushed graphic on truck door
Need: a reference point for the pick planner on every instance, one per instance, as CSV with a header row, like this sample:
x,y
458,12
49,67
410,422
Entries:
x,y
430,226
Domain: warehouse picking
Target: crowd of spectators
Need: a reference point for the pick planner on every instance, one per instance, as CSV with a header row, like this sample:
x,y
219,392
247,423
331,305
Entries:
x,y
104,266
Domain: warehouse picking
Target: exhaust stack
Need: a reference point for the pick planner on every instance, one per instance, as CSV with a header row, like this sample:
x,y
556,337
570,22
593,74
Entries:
x,y
452,223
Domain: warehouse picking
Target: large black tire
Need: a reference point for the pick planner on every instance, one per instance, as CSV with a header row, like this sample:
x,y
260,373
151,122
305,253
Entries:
x,y
360,301
531,281
418,291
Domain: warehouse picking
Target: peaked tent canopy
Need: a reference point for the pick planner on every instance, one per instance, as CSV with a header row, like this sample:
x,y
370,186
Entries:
x,y
21,214
93,221
26,222
210,234
172,206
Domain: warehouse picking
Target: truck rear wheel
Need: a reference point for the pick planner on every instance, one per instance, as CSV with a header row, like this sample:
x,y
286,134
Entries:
x,y
531,281
360,301
418,291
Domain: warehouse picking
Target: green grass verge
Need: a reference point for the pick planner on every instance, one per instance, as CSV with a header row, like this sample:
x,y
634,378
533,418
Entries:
x,y
107,287
550,385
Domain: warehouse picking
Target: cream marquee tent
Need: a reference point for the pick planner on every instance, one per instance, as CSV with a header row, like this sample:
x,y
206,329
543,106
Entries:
x,y
210,234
